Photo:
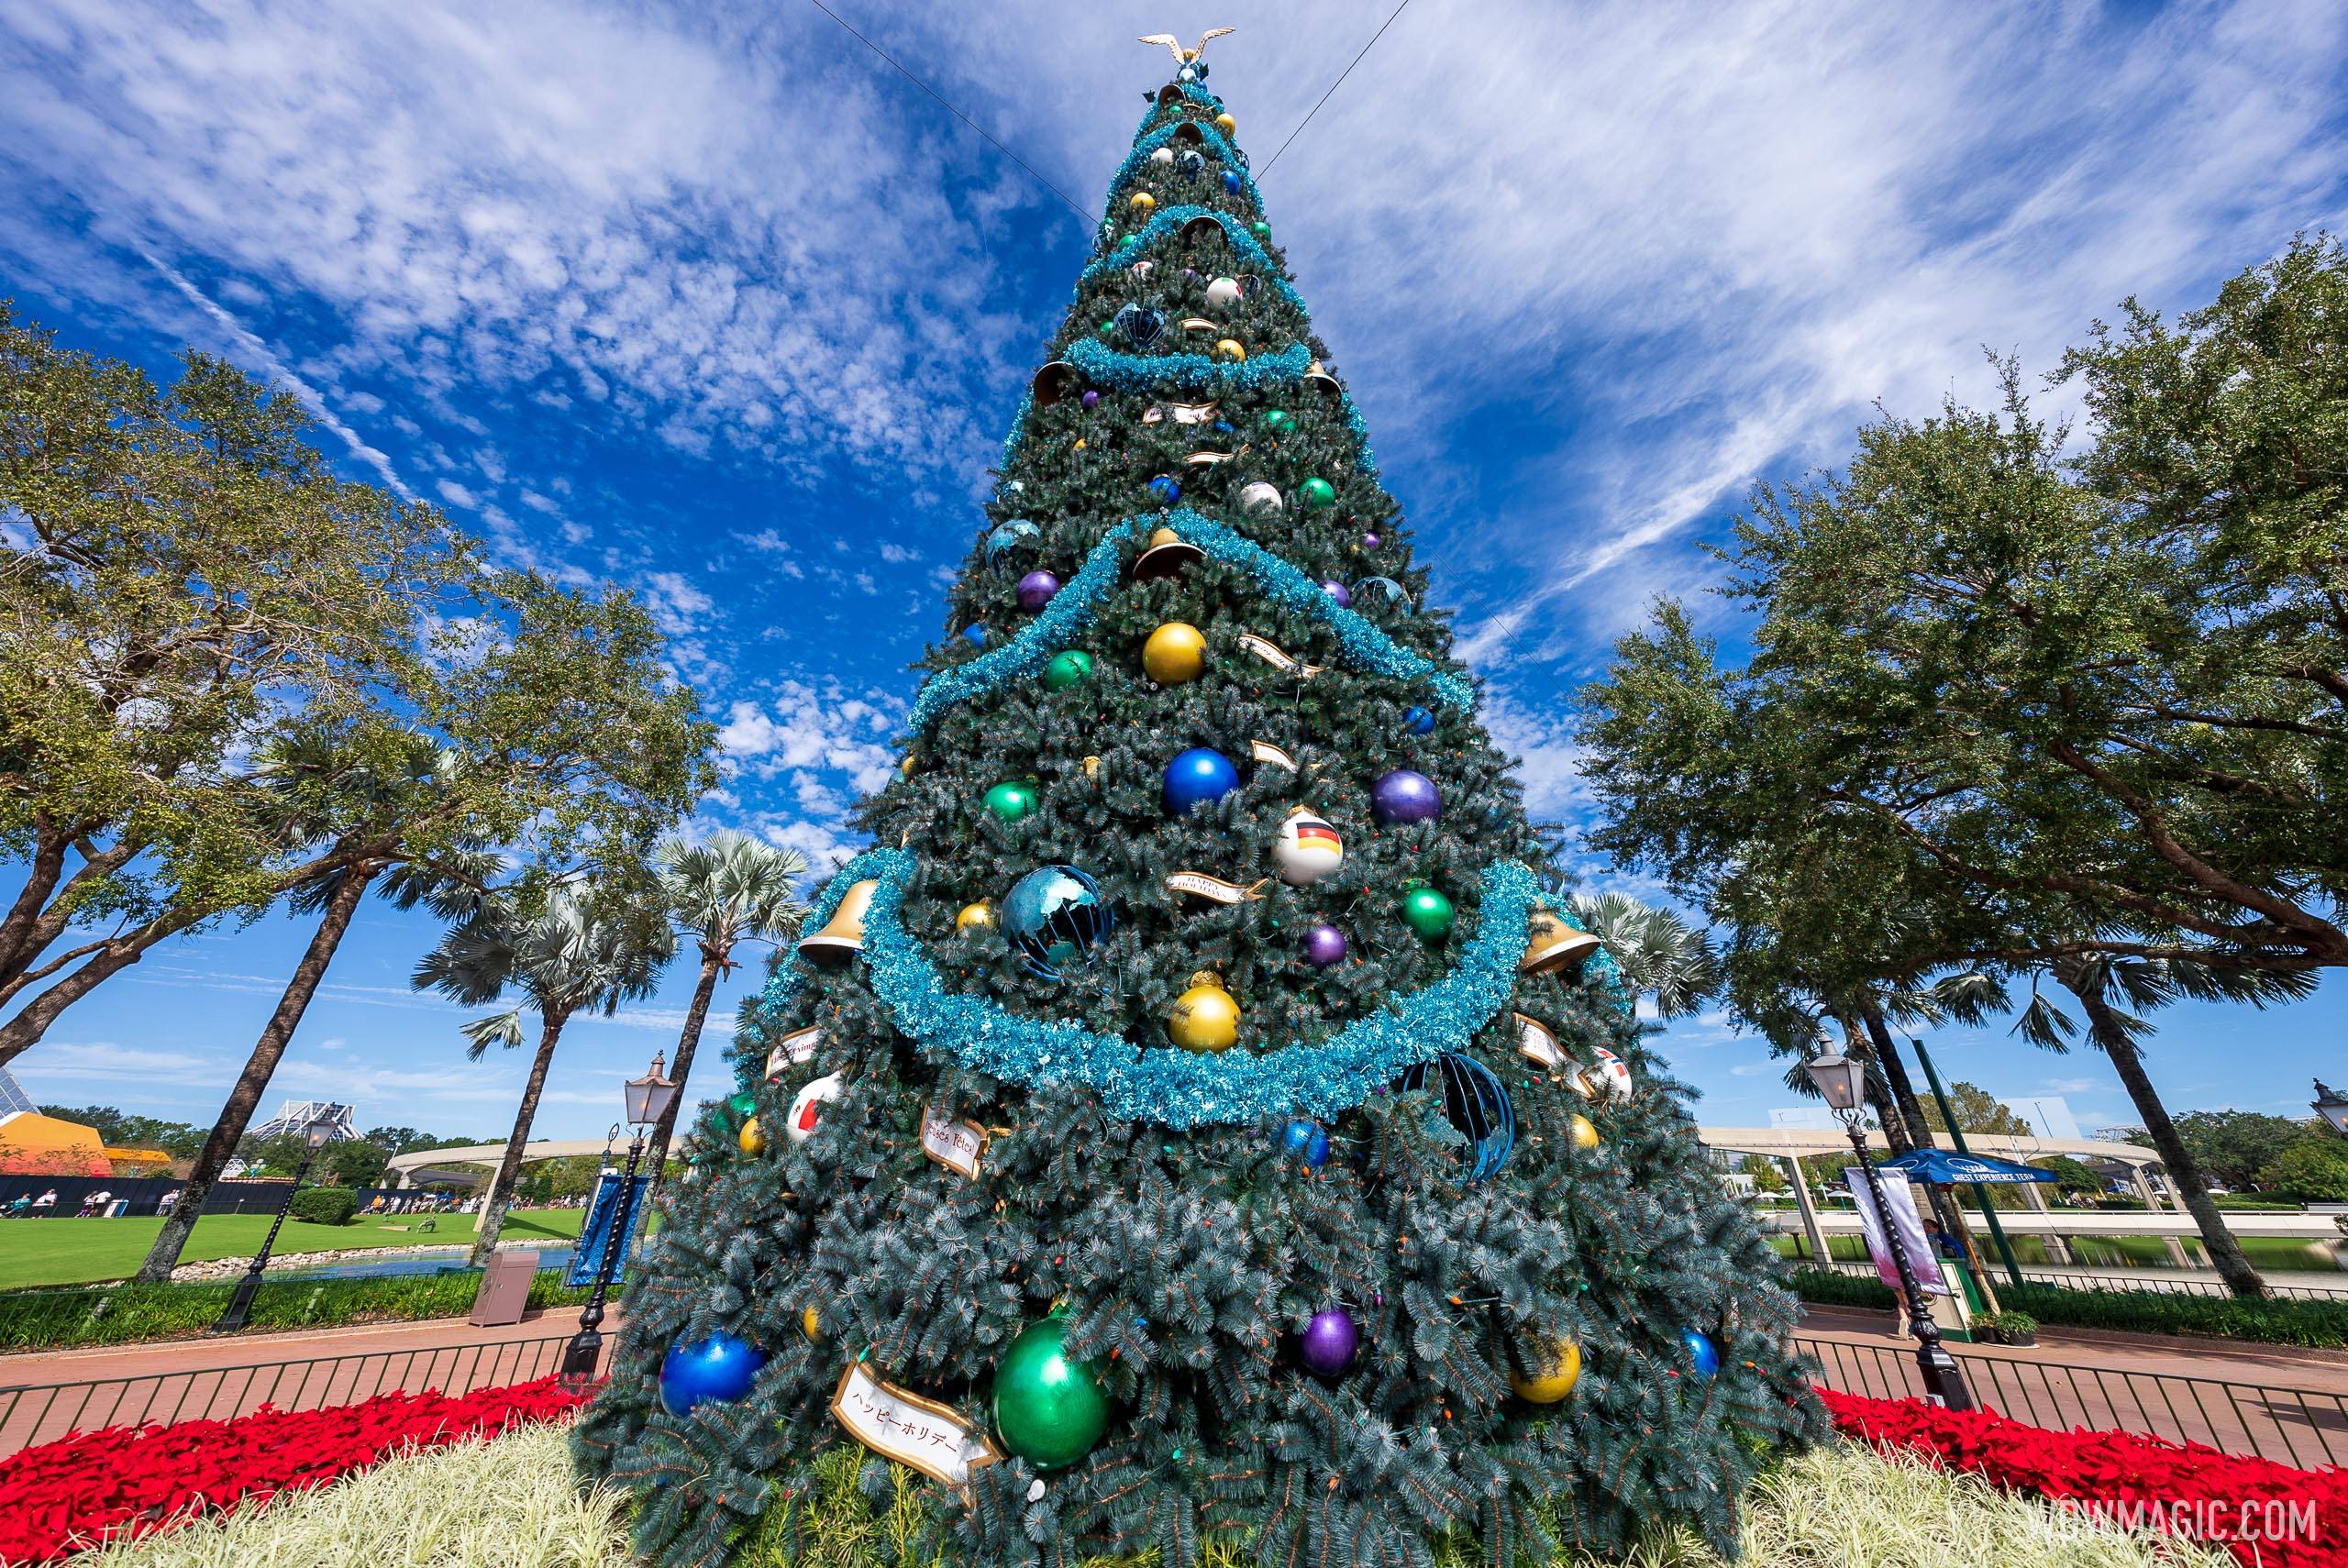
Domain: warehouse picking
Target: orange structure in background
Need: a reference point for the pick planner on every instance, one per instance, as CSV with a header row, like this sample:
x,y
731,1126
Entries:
x,y
34,1144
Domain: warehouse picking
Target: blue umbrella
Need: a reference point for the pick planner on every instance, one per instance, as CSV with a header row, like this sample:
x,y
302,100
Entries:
x,y
1940,1166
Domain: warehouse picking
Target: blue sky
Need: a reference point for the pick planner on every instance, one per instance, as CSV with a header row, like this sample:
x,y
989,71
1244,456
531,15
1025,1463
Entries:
x,y
707,299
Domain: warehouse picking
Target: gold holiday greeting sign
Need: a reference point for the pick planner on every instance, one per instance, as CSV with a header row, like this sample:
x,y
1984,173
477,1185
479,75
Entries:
x,y
898,1424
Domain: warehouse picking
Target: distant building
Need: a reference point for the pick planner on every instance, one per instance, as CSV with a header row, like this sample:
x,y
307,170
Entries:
x,y
296,1118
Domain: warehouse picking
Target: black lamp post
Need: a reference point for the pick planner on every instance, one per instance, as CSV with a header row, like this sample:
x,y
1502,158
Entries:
x,y
241,1305
648,1098
2331,1105
1842,1081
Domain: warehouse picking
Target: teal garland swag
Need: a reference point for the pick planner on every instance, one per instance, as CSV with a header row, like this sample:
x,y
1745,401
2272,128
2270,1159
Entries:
x,y
1070,611
1164,1085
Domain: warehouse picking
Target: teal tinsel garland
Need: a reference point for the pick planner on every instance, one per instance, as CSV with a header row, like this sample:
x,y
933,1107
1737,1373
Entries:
x,y
1164,1085
1164,222
1071,609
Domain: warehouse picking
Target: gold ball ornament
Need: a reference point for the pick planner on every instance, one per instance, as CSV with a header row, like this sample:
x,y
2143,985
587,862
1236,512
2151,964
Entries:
x,y
975,917
1205,1017
906,765
1226,124
1141,200
1229,348
811,1325
1559,1370
1585,1135
1175,653
752,1138
1093,767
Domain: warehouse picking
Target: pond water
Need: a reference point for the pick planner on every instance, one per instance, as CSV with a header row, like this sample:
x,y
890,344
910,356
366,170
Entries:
x,y
423,1262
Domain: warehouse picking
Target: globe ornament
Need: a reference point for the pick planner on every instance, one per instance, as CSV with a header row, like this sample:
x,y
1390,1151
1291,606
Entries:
x,y
1308,849
1004,536
1197,776
752,1139
1404,797
1035,590
1552,1377
1012,800
1067,669
1428,913
1419,722
1165,490
807,1106
1141,325
720,1367
1701,1351
1323,944
1338,595
1175,653
1308,1140
1475,1104
1193,165
1329,1343
1279,421
1224,292
979,916
1583,1132
1318,493
1262,499
1049,1409
1055,916
1205,1018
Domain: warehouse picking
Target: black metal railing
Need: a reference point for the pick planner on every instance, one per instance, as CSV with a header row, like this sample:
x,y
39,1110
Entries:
x,y
2150,1281
2293,1426
44,1412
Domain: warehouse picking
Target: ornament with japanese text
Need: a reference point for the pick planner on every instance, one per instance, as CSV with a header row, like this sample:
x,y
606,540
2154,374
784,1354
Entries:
x,y
1202,1005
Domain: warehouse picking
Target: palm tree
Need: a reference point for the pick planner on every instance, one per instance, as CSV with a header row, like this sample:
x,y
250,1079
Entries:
x,y
580,951
2114,993
731,889
1659,954
321,789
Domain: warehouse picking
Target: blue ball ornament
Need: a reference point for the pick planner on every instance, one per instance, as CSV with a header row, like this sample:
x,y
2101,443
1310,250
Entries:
x,y
1419,722
1164,489
1230,181
1701,1351
1055,915
720,1367
975,633
1308,1140
1199,776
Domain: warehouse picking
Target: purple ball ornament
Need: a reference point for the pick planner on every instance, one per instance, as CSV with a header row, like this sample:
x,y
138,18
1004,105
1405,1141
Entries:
x,y
1404,797
1369,541
1329,1343
1340,592
1035,590
1092,398
1323,944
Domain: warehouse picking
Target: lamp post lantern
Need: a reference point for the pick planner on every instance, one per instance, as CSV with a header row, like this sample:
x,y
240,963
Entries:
x,y
1842,1081
241,1305
2331,1105
648,1098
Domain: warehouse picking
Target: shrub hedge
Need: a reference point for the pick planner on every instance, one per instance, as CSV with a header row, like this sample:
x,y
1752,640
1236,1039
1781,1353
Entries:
x,y
2316,1325
127,1314
324,1205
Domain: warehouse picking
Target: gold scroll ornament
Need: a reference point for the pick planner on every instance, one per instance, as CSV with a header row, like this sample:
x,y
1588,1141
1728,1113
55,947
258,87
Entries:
x,y
1265,751
1214,890
1271,653
958,1145
792,1050
923,1434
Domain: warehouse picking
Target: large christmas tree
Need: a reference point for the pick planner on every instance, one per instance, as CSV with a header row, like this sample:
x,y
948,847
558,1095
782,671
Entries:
x,y
1191,1116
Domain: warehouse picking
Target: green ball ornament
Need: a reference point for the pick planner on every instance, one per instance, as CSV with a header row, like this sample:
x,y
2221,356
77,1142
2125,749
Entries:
x,y
1048,1409
1318,492
1279,421
1261,230
1065,669
1011,800
1428,912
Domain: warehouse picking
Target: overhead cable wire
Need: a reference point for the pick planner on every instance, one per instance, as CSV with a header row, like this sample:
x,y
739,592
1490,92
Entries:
x,y
1333,87
1080,215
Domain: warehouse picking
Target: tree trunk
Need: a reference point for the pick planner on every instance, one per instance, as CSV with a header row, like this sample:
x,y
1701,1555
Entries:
x,y
509,1169
32,1021
44,905
713,961
1886,1111
2184,1172
237,1114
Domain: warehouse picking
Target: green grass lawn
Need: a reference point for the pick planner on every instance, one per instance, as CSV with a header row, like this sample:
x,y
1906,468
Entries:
x,y
77,1251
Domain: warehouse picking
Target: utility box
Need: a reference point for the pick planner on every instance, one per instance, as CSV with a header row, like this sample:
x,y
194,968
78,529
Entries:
x,y
505,1291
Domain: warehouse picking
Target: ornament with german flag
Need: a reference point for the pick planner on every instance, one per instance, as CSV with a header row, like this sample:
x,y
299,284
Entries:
x,y
808,1104
1308,848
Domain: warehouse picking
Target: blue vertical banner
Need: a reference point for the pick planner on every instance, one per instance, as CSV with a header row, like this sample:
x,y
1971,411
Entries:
x,y
611,1222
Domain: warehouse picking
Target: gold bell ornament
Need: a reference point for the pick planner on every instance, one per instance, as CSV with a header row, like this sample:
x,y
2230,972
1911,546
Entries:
x,y
1559,1370
1175,653
1165,556
1550,945
1205,1017
843,934
975,917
